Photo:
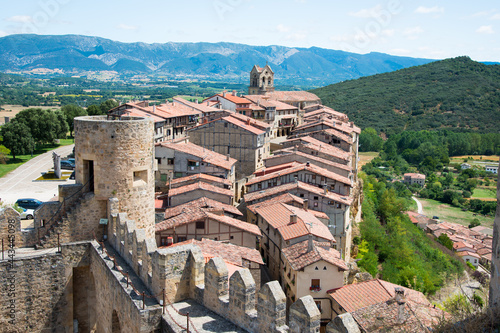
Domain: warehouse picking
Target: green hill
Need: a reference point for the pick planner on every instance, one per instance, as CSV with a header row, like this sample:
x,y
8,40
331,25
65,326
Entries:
x,y
457,94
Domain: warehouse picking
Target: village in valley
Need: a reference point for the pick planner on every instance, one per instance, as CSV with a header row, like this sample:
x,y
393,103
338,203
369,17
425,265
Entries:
x,y
232,213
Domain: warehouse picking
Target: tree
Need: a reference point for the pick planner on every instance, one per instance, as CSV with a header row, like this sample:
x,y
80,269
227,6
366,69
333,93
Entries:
x,y
369,140
94,110
71,111
17,138
445,240
44,125
108,105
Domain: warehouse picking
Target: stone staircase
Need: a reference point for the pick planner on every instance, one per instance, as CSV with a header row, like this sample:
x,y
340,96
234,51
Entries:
x,y
62,223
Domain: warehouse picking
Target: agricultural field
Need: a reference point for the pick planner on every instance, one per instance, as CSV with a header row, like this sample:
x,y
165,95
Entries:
x,y
11,110
366,157
485,193
448,213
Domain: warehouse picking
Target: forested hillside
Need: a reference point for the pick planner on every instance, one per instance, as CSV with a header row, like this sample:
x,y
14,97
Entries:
x,y
457,94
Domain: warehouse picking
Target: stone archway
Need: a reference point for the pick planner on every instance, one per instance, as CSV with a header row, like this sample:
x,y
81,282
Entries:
x,y
115,323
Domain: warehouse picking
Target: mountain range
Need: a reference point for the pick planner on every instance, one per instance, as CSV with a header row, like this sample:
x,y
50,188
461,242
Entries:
x,y
75,54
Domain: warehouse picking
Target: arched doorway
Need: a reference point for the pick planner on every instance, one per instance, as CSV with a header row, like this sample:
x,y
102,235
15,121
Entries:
x,y
115,323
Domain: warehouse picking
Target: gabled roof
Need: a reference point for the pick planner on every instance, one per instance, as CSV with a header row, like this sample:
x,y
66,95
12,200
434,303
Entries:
x,y
352,297
299,257
292,151
265,101
414,175
202,107
227,251
302,167
293,96
278,216
272,191
246,123
234,99
199,186
318,146
335,124
287,198
198,176
203,203
328,111
468,253
195,214
205,155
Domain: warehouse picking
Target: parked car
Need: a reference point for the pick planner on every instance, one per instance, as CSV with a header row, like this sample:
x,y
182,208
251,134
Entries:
x,y
67,165
71,159
435,217
72,175
27,214
29,203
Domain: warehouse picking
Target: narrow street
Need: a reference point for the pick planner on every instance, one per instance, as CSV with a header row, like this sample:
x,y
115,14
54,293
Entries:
x,y
420,210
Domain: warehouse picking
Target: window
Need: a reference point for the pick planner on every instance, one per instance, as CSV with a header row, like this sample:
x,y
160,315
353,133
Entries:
x,y
315,198
318,304
170,161
200,225
225,124
181,239
315,285
140,178
231,237
339,205
316,268
324,268
159,160
315,204
301,195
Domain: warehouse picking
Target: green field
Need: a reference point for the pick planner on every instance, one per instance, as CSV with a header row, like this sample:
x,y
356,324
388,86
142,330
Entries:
x,y
12,164
447,213
484,193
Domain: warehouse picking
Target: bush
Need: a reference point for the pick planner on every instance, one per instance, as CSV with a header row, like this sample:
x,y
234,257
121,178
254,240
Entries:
x,y
478,300
480,277
471,266
474,223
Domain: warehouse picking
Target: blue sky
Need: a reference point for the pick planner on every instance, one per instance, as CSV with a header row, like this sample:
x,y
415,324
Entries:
x,y
428,29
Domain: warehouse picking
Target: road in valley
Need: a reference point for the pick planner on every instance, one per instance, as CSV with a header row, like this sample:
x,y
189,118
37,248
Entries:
x,y
420,210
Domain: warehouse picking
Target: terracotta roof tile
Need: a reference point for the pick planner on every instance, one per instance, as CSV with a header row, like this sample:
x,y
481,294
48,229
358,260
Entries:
x,y
201,203
318,146
199,186
206,155
287,198
300,167
293,96
204,176
291,152
227,251
299,258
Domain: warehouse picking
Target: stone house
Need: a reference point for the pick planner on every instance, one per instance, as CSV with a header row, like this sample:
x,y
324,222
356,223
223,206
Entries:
x,y
183,194
177,117
304,172
316,111
284,225
201,177
299,99
281,116
335,206
414,178
232,102
492,169
312,268
314,147
294,155
208,110
203,203
243,138
181,159
470,256
465,166
197,223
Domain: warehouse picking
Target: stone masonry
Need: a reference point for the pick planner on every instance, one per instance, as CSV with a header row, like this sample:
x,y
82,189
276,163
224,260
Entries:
x,y
495,256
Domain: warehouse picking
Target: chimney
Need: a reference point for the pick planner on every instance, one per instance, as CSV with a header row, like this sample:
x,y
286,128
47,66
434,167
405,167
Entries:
x,y
223,94
305,204
154,108
227,157
234,92
170,241
219,212
352,124
293,219
248,121
400,300
196,101
308,163
310,244
208,103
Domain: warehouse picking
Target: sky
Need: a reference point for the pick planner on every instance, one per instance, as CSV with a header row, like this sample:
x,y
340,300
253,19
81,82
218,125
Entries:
x,y
423,29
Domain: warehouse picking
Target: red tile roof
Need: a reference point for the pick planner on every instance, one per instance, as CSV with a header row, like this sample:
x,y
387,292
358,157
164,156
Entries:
x,y
278,216
193,215
266,102
328,111
199,186
235,99
415,175
204,176
206,155
291,151
319,146
299,258
287,198
272,191
339,125
202,107
227,251
352,297
302,167
203,203
293,96
469,253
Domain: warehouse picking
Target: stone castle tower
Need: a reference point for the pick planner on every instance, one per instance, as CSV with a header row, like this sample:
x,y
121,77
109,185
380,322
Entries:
x,y
495,256
114,158
261,80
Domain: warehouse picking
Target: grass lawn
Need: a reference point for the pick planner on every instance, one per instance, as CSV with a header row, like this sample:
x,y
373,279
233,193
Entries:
x,y
366,157
481,158
448,213
484,193
21,159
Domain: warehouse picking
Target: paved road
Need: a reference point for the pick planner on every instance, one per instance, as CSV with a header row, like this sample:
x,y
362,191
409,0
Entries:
x,y
19,183
420,210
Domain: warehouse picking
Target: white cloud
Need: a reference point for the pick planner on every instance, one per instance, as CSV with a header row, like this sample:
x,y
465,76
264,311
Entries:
x,y
429,10
367,12
20,19
296,37
388,32
282,28
127,27
495,17
485,29
3,33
